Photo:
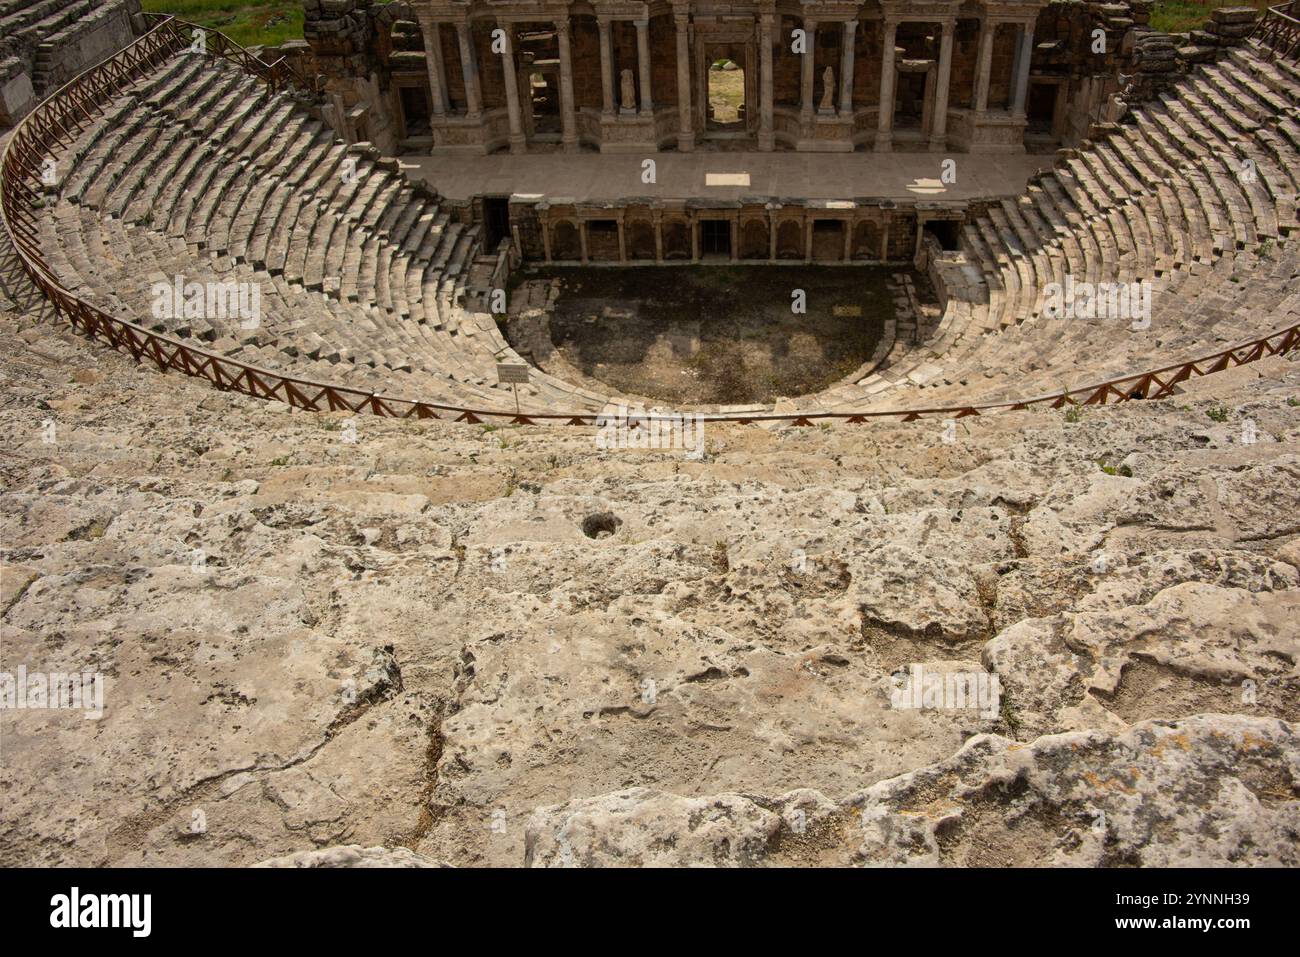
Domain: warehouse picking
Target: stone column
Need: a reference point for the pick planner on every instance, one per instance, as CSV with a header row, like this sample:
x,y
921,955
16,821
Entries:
x,y
518,141
766,136
643,64
659,236
694,225
984,66
848,240
546,238
735,238
469,68
622,242
437,71
1024,55
606,67
807,237
771,235
806,77
939,126
885,124
686,134
567,115
846,68
582,239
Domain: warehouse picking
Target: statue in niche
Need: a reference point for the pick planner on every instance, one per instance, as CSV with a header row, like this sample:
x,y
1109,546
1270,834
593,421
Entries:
x,y
627,94
828,92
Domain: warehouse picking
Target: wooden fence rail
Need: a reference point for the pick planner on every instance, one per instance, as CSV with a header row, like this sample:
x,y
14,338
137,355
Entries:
x,y
1278,31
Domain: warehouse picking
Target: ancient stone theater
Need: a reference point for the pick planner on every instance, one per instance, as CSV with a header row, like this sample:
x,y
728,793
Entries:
x,y
757,433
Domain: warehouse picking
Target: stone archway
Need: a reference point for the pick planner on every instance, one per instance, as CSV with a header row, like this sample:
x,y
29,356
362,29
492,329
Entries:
x,y
641,240
754,239
677,242
866,240
789,240
565,244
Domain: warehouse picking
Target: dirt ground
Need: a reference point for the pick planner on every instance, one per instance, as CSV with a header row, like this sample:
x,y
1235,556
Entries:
x,y
726,94
718,334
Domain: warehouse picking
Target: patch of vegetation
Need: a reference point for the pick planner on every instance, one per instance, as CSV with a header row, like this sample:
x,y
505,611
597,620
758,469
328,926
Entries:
x,y
721,560
1122,470
1218,415
267,23
1008,713
1073,415
1180,16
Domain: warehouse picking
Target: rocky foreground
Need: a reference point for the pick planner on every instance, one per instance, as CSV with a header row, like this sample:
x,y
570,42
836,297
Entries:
x,y
338,643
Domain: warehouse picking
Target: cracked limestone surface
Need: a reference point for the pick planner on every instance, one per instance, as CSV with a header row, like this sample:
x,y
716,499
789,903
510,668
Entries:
x,y
449,644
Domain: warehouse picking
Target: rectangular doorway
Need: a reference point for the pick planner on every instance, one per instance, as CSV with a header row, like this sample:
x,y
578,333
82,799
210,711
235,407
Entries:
x,y
496,221
1040,107
415,110
715,237
544,99
725,103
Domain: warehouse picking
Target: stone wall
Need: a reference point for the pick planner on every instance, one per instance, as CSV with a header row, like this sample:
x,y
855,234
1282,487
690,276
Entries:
x,y
350,45
41,48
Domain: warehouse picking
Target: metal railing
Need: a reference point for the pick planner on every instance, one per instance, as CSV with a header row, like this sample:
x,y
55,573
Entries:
x,y
1278,31
62,117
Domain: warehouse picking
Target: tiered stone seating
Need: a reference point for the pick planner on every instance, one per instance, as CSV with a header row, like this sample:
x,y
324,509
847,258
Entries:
x,y
1196,193
200,171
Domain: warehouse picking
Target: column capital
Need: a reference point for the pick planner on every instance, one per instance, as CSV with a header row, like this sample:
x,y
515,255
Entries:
x,y
562,24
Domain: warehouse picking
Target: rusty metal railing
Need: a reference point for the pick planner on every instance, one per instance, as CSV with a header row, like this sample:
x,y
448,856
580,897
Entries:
x,y
1278,31
61,117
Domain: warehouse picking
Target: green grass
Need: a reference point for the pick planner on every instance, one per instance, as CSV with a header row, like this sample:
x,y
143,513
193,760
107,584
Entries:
x,y
1179,16
248,24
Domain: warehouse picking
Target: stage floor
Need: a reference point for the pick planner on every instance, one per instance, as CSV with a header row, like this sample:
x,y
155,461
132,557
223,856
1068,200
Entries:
x,y
605,177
